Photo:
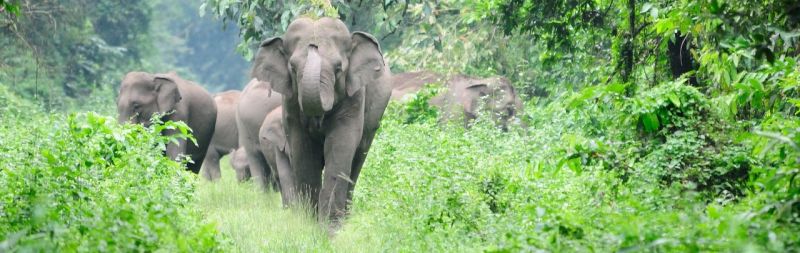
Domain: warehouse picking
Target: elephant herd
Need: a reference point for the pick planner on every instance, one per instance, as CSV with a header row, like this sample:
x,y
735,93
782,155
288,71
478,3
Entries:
x,y
305,122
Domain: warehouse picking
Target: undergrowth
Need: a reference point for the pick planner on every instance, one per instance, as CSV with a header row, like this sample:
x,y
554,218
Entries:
x,y
83,183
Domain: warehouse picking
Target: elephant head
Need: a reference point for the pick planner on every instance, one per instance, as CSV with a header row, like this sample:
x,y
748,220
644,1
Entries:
x,y
500,98
318,63
142,94
494,95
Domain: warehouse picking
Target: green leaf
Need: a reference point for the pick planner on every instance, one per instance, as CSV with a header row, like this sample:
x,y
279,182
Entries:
x,y
650,122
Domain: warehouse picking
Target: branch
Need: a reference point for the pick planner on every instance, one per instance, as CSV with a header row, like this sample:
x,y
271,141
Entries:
x,y
397,27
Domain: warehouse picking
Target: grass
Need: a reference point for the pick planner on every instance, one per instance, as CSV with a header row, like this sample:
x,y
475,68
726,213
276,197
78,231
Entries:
x,y
255,221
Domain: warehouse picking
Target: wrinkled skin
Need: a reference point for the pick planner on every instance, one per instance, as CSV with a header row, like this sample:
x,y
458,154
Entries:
x,y
226,135
240,165
335,87
411,82
256,101
275,150
143,94
465,96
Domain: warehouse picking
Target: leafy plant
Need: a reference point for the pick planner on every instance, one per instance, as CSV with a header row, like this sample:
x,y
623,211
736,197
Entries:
x,y
70,181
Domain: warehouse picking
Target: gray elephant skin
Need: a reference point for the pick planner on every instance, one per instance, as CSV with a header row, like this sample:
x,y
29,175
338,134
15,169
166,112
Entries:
x,y
411,82
335,88
275,150
256,101
464,96
226,135
238,160
143,94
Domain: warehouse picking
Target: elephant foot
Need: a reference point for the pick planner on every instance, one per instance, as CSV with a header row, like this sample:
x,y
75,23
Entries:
x,y
333,228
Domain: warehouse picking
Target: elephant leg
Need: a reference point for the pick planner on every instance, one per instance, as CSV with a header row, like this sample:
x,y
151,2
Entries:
x,y
259,169
358,162
243,175
211,170
340,148
307,162
176,150
285,177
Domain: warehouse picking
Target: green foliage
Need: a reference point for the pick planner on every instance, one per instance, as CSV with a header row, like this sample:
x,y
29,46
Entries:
x,y
11,7
486,190
57,48
417,108
777,143
84,183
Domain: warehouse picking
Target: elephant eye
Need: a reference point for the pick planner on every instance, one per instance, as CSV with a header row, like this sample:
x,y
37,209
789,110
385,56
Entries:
x,y
136,106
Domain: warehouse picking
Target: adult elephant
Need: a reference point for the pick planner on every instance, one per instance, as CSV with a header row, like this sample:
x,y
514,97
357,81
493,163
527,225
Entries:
x,y
335,87
240,165
226,135
277,153
411,82
256,101
143,94
465,96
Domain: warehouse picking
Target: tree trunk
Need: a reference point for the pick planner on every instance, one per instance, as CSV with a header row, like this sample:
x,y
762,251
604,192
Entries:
x,y
680,57
627,52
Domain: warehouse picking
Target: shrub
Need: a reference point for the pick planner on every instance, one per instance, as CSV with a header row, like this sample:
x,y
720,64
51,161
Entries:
x,y
85,183
687,142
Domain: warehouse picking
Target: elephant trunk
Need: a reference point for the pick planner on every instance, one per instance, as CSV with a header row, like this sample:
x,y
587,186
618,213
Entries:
x,y
315,98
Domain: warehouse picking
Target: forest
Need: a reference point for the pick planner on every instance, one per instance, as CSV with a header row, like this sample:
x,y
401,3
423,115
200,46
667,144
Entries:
x,y
597,126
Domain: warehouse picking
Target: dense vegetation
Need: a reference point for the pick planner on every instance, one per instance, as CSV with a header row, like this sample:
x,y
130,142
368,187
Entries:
x,y
82,182
651,126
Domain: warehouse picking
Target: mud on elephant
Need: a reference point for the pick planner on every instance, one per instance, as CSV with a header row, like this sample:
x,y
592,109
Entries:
x,y
335,87
143,94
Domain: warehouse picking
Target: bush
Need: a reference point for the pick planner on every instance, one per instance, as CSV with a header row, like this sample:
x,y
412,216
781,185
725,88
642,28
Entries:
x,y
687,142
556,188
85,183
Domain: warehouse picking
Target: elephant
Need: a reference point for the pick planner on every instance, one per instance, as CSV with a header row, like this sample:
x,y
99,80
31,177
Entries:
x,y
256,101
335,86
411,82
226,135
463,95
466,95
277,153
143,94
238,160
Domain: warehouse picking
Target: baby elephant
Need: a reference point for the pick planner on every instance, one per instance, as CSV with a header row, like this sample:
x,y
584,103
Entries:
x,y
240,165
276,152
226,135
143,94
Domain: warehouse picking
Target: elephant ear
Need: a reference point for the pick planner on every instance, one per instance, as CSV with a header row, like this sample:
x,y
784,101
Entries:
x,y
366,62
480,90
271,65
168,93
